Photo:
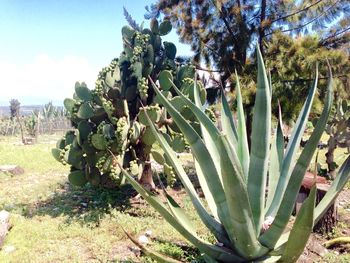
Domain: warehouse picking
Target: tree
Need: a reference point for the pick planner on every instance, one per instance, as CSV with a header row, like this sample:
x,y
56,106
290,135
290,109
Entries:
x,y
14,108
14,111
292,62
222,32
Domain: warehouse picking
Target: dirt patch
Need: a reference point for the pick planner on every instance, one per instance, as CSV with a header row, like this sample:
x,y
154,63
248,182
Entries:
x,y
315,250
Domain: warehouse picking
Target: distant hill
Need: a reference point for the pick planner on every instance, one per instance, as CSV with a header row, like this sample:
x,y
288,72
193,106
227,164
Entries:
x,y
24,110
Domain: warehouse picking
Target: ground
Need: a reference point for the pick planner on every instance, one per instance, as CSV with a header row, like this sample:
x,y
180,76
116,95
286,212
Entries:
x,y
55,222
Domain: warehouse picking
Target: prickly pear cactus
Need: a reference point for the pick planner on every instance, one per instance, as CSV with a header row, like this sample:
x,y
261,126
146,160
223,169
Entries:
x,y
111,119
338,129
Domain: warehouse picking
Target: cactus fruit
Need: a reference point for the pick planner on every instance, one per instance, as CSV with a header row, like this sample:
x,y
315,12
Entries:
x,y
111,118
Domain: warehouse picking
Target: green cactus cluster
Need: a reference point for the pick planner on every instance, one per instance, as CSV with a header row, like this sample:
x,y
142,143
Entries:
x,y
338,129
339,124
111,118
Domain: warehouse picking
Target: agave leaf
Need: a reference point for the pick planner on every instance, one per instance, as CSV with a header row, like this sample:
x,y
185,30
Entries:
x,y
203,157
277,150
205,188
271,236
210,132
245,240
212,224
209,259
292,147
150,252
243,148
271,259
332,193
227,122
301,229
179,213
260,147
176,210
207,248
270,83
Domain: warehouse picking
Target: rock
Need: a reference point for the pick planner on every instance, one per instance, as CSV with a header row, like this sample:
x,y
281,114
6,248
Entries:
x,y
315,247
4,225
10,168
9,249
143,240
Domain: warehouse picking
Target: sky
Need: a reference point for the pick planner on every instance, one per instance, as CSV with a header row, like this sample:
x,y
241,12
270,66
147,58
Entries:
x,y
48,45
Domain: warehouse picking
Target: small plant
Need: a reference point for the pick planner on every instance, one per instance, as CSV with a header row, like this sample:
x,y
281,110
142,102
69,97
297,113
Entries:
x,y
249,225
31,123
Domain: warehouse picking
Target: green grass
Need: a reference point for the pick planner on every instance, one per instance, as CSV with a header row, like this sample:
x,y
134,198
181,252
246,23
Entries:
x,y
55,222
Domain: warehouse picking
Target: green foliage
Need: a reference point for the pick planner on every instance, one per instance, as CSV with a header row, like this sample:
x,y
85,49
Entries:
x,y
14,108
249,224
109,120
338,126
31,123
222,32
291,63
338,129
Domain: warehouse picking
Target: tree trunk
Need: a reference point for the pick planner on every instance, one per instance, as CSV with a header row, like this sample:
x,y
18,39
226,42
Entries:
x,y
143,153
147,176
37,128
21,128
261,29
330,157
329,220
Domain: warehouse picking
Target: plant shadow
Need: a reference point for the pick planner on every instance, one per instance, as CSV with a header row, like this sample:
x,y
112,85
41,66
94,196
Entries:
x,y
87,205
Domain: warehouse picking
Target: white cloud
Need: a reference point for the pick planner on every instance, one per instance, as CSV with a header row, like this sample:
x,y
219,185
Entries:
x,y
45,78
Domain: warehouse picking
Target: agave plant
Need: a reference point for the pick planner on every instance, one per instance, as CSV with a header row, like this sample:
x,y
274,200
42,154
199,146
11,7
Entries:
x,y
250,195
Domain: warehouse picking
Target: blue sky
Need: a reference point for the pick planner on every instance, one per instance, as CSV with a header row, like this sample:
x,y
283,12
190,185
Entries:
x,y
48,45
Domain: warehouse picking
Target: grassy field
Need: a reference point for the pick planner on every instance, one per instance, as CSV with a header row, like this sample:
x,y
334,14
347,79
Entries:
x,y
55,222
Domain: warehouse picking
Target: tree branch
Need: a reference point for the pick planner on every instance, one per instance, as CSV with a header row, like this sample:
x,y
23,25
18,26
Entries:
x,y
307,23
297,12
225,21
309,80
334,35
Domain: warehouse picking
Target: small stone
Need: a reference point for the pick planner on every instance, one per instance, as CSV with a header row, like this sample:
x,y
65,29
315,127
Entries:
x,y
143,240
11,168
4,216
317,248
84,204
9,249
342,203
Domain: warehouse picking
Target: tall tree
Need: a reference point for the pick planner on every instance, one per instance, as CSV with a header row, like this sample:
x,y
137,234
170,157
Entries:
x,y
292,62
222,32
14,111
14,108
